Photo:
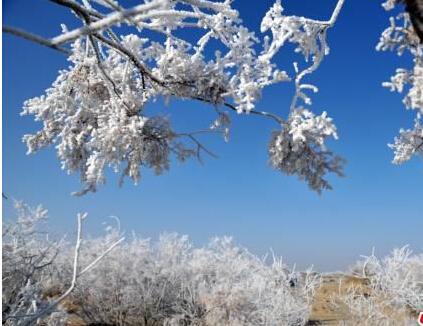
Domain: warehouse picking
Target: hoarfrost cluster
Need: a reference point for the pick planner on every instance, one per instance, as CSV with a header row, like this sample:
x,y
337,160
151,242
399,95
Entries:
x,y
400,37
97,112
299,149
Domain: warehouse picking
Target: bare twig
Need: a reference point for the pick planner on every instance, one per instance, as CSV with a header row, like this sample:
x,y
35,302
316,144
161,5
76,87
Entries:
x,y
200,146
275,117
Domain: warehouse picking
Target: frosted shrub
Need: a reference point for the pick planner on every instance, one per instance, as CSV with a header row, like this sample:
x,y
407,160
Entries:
x,y
28,256
172,283
393,293
241,289
143,283
32,266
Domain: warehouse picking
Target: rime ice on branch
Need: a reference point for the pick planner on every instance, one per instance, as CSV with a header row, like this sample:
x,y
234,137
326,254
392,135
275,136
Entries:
x,y
96,112
400,37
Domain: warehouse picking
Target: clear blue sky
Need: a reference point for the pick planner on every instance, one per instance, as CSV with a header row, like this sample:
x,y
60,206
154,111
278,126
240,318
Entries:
x,y
376,205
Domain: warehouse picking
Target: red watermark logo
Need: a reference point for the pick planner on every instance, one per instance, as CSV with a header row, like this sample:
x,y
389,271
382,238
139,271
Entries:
x,y
421,318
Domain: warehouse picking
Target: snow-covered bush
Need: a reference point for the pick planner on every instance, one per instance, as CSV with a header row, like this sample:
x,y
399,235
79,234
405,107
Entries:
x,y
98,111
172,283
393,291
28,256
143,283
31,268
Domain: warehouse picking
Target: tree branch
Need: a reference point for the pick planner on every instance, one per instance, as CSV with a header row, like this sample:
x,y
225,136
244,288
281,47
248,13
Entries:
x,y
275,117
76,7
126,52
105,22
35,38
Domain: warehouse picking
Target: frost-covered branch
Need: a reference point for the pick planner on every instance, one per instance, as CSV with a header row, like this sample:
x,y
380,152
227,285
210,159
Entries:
x,y
34,38
97,111
113,18
401,37
300,147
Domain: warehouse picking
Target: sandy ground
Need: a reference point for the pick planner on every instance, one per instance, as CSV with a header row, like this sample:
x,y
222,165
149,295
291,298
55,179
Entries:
x,y
324,312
